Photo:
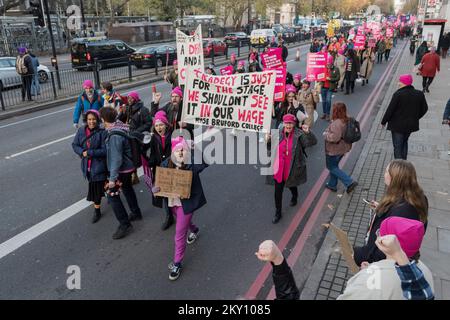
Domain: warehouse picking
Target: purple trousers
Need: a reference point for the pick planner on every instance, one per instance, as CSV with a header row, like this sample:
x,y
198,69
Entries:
x,y
183,225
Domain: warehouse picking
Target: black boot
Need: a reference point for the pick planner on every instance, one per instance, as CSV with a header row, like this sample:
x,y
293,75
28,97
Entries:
x,y
97,215
168,221
276,217
122,231
293,202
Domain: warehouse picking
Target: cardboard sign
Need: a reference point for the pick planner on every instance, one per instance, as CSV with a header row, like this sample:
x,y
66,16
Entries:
x,y
173,183
280,84
316,66
190,53
346,248
239,101
272,59
360,42
226,71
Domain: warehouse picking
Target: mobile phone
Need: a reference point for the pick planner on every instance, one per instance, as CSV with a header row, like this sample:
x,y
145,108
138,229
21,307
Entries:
x,y
367,202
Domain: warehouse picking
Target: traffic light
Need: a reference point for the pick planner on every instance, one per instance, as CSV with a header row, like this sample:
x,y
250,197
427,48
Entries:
x,y
36,10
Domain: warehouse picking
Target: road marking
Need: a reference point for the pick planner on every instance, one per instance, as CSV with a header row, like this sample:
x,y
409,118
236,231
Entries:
x,y
38,117
39,147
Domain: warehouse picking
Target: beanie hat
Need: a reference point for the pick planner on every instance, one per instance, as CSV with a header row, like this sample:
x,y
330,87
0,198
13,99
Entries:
x,y
175,61
88,84
406,79
134,95
177,91
289,118
408,232
179,143
298,77
161,116
241,63
290,89
22,50
233,55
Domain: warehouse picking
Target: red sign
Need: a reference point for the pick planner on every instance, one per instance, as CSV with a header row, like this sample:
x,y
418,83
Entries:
x,y
316,66
272,59
372,43
360,42
226,71
280,84
360,31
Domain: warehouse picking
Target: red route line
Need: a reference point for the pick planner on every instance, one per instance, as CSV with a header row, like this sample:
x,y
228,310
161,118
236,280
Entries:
x,y
264,273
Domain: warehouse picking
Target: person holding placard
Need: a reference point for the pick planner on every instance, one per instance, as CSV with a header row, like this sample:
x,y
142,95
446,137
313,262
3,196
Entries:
x,y
289,106
183,209
290,160
309,99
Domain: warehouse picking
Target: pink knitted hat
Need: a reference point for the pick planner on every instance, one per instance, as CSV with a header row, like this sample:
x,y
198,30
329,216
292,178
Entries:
x,y
161,116
408,232
134,95
178,92
88,84
406,79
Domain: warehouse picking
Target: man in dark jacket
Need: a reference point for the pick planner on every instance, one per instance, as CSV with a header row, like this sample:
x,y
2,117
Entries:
x,y
24,67
120,166
285,51
406,108
283,279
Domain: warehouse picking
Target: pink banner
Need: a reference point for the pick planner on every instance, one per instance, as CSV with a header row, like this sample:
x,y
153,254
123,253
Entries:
x,y
226,71
360,42
272,59
352,31
316,65
280,84
360,31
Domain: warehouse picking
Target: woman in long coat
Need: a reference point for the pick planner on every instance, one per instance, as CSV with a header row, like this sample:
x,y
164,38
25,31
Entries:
x,y
367,65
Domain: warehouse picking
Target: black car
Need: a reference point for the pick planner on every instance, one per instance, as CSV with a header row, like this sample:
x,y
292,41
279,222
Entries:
x,y
149,56
234,38
109,53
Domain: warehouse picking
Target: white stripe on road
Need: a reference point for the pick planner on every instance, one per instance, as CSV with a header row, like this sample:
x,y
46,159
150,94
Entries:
x,y
39,147
38,117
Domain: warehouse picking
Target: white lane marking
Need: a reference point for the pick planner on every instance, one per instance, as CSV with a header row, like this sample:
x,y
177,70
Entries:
x,y
35,231
39,147
38,117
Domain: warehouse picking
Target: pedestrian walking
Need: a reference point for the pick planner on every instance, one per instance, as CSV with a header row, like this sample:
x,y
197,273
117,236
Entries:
x,y
89,144
339,63
381,48
183,209
406,108
389,45
284,49
336,147
445,44
120,165
308,98
24,68
421,51
430,65
367,65
328,86
446,115
410,235
403,198
35,85
87,100
290,161
352,69
155,153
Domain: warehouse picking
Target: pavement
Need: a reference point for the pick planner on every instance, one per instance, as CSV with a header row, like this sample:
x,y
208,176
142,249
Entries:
x,y
45,222
429,152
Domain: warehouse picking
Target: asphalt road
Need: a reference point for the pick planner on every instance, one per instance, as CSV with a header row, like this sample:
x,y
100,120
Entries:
x,y
38,183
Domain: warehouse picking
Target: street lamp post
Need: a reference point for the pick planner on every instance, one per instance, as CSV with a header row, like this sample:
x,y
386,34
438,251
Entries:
x,y
50,29
82,17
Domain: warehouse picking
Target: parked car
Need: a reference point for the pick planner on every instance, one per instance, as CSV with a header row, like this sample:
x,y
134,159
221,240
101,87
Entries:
x,y
10,78
149,56
233,39
109,53
262,37
220,47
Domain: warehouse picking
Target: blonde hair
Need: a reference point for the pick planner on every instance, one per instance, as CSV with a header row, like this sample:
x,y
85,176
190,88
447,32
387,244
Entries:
x,y
404,186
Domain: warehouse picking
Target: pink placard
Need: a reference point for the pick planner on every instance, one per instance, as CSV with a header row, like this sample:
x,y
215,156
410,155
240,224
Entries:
x,y
360,30
360,42
389,32
280,84
226,71
272,59
372,42
316,66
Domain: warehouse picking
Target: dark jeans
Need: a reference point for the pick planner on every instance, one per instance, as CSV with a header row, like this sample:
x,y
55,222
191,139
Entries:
x,y
279,187
386,54
26,87
327,95
426,81
130,196
349,84
400,142
332,163
444,53
380,57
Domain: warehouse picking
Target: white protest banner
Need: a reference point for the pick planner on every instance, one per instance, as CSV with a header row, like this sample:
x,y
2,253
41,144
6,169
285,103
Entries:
x,y
190,53
238,101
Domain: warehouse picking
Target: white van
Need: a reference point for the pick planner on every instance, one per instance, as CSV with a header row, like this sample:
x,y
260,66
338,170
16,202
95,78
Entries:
x,y
262,37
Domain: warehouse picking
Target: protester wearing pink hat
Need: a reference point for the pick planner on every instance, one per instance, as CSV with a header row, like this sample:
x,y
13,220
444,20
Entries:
x,y
233,62
339,63
297,81
379,280
183,209
241,67
136,115
406,108
290,163
88,99
177,91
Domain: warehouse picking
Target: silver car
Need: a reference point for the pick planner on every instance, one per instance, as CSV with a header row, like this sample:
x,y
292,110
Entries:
x,y
10,78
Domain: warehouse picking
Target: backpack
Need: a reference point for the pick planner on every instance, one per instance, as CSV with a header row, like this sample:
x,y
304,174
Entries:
x,y
135,144
352,131
21,68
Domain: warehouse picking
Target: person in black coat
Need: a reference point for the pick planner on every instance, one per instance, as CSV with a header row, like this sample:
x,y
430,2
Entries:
x,y
89,144
156,152
403,198
285,51
406,108
136,115
24,59
283,279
